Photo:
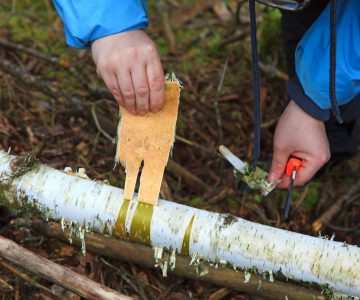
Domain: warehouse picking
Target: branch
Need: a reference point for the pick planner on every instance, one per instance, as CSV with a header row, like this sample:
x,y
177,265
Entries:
x,y
190,178
335,208
95,91
25,277
62,276
35,82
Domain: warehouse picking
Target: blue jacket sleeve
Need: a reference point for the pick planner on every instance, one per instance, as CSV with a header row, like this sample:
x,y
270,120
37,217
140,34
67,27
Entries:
x,y
88,20
310,90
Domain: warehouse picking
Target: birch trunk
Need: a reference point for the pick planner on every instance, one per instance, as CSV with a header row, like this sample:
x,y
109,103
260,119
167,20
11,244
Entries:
x,y
144,256
207,237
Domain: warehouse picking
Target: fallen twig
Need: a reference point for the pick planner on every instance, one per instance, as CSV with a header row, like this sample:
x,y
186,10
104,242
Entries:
x,y
198,146
24,276
98,125
95,91
191,180
62,276
5,286
216,101
166,26
34,81
335,208
126,278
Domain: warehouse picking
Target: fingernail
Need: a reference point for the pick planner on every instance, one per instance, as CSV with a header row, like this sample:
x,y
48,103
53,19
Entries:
x,y
141,112
154,110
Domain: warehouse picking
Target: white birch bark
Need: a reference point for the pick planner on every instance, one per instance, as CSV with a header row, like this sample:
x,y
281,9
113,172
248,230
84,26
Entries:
x,y
213,237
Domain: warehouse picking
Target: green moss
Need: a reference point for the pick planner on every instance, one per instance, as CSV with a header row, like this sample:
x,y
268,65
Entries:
x,y
22,165
232,203
349,181
162,46
228,219
256,197
197,202
184,36
270,38
18,167
313,195
236,116
194,59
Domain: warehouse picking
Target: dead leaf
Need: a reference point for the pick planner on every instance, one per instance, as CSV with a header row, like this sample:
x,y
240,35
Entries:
x,y
66,250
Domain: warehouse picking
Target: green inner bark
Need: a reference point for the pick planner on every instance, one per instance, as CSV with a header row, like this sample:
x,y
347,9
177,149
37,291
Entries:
x,y
141,224
119,227
185,248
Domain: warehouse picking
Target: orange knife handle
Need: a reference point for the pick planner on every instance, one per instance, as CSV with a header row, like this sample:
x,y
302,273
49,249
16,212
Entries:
x,y
293,164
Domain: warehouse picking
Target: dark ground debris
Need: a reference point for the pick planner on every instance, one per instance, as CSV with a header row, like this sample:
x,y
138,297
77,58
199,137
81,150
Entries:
x,y
55,108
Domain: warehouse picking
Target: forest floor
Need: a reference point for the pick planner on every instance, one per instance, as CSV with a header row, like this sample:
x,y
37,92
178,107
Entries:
x,y
54,107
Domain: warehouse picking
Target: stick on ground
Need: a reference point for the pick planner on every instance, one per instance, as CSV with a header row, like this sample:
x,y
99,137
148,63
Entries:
x,y
62,276
335,208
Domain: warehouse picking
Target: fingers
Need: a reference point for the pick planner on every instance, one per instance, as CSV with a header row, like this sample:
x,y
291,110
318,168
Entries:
x,y
127,89
303,136
130,65
309,168
141,90
307,171
278,164
111,82
156,81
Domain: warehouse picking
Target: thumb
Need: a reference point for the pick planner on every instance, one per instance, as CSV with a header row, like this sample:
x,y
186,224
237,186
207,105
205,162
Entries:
x,y
278,164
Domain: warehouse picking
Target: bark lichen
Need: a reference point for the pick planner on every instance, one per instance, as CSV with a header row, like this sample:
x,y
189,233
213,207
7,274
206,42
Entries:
x,y
75,229
164,259
18,167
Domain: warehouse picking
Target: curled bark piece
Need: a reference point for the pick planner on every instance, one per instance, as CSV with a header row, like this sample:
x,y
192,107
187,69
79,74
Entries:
x,y
207,237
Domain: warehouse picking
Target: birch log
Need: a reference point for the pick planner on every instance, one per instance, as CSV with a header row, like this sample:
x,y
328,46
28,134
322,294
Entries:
x,y
205,236
144,256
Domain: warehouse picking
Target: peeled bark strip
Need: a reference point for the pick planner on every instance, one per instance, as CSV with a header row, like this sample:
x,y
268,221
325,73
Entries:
x,y
205,236
148,139
62,276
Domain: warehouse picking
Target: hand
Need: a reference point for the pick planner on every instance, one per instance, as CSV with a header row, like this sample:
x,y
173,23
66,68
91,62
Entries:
x,y
300,135
129,64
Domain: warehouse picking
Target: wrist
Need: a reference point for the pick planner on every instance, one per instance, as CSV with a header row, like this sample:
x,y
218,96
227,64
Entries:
x,y
297,94
304,115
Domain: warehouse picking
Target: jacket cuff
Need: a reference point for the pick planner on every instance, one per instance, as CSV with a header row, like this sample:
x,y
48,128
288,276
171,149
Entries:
x,y
78,43
86,21
297,94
